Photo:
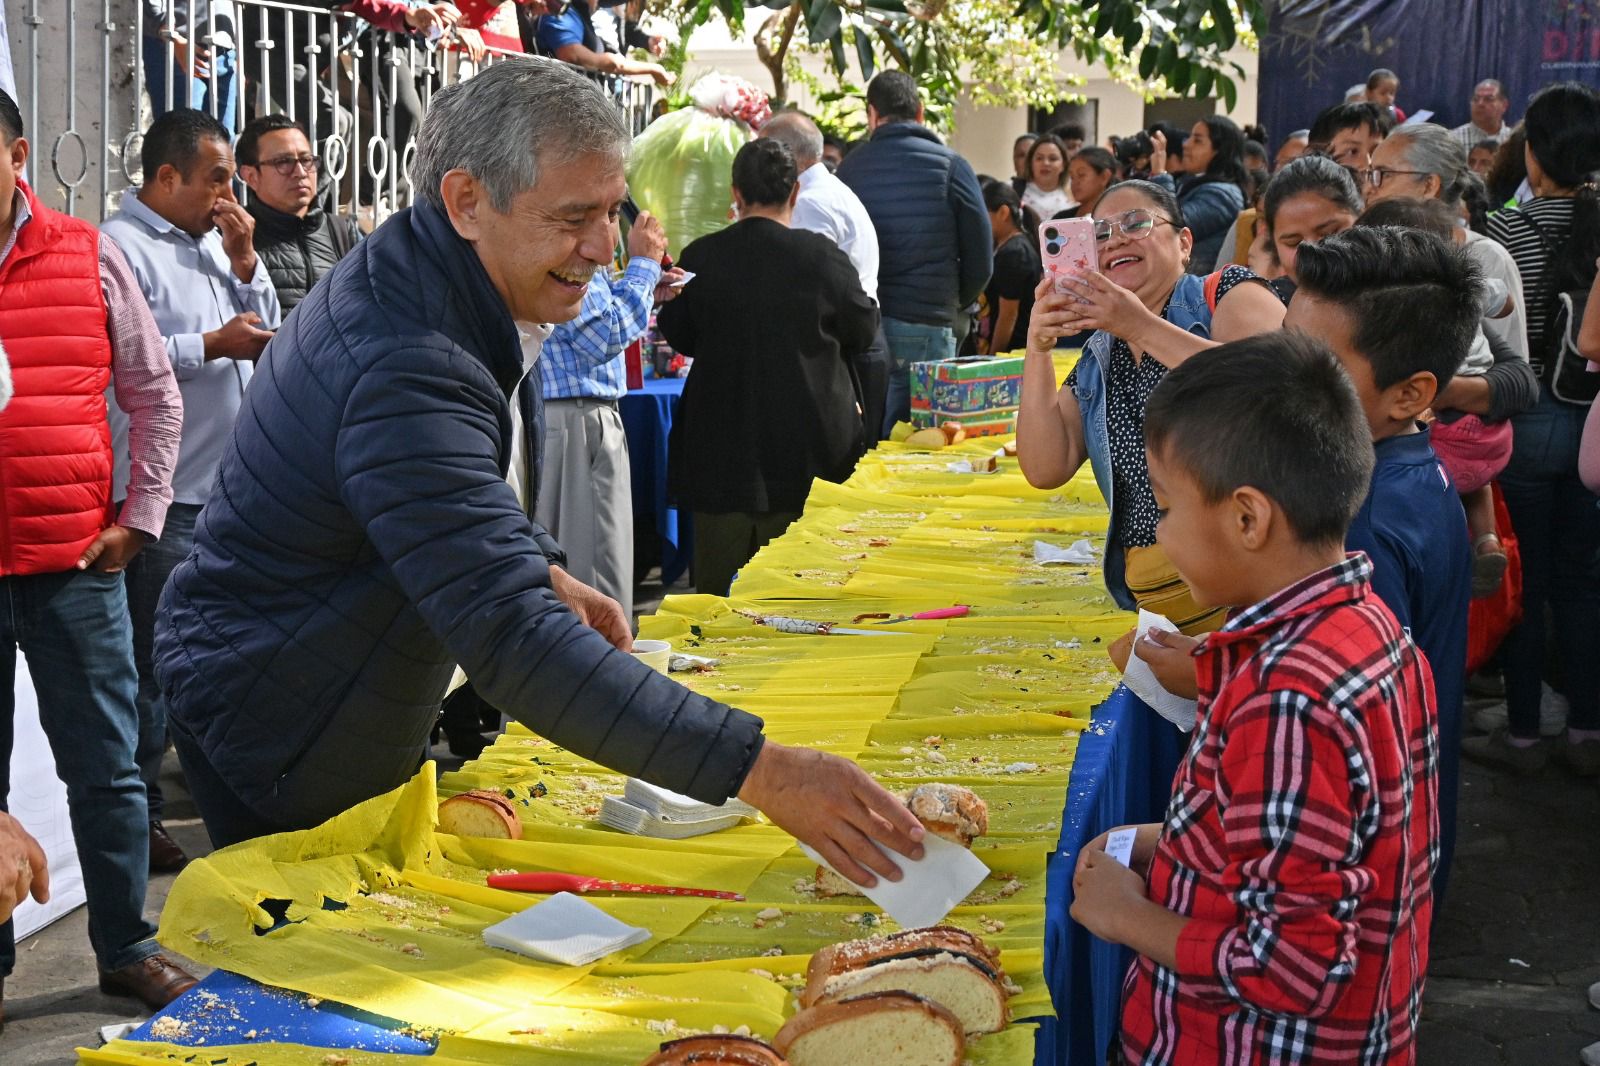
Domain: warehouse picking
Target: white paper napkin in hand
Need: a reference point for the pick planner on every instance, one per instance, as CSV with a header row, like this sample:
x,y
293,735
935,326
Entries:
x,y
564,929
1138,677
1080,552
932,885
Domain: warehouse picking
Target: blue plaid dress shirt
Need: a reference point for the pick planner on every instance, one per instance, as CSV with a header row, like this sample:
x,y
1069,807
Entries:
x,y
582,360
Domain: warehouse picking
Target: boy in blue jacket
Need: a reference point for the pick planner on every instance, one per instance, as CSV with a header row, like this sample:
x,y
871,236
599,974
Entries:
x,y
1399,307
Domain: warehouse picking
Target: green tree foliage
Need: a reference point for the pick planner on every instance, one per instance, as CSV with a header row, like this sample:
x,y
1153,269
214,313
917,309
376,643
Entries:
x,y
998,51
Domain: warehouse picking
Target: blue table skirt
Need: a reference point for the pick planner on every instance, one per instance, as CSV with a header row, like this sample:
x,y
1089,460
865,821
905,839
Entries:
x,y
1122,774
647,415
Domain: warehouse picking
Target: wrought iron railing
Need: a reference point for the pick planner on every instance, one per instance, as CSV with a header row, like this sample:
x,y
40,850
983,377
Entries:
x,y
90,74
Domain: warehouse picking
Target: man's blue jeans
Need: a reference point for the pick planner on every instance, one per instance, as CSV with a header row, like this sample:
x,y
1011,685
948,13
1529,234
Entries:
x,y
73,629
1558,528
910,342
199,89
146,574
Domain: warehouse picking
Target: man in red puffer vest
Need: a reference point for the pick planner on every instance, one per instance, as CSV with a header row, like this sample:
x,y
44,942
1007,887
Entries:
x,y
74,323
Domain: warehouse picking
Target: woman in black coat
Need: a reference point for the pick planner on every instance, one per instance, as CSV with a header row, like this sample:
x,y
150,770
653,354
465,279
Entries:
x,y
776,322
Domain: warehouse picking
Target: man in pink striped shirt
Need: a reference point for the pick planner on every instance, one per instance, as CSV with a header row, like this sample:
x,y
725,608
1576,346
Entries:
x,y
74,324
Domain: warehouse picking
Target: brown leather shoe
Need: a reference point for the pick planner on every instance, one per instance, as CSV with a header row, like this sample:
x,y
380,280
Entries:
x,y
155,981
166,857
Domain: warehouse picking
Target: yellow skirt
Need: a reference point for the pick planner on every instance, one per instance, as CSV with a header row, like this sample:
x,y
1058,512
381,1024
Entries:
x,y
1156,587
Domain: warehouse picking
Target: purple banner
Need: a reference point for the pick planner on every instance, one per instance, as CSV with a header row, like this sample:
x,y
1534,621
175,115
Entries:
x,y
1315,50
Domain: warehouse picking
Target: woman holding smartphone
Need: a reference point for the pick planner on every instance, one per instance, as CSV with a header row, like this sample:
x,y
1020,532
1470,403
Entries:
x,y
1147,314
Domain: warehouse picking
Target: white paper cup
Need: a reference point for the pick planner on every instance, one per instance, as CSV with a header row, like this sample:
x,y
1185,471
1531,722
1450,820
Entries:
x,y
656,654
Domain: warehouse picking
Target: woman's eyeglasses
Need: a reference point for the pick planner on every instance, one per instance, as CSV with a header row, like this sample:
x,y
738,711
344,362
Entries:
x,y
286,165
1136,225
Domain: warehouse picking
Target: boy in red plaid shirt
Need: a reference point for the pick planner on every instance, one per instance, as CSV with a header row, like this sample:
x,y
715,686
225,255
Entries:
x,y
1281,913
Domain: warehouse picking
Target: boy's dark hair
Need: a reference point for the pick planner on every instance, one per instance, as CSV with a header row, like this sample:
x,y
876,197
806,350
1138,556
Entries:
x,y
1411,298
831,141
1408,212
1255,154
248,151
1314,174
1341,117
1070,131
1225,417
1381,75
174,139
1028,136
10,118
893,95
764,172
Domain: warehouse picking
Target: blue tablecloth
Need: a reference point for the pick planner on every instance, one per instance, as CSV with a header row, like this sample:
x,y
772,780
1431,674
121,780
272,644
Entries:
x,y
1122,774
647,415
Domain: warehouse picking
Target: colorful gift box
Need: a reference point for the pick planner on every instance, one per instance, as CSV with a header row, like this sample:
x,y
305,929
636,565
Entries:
x,y
980,393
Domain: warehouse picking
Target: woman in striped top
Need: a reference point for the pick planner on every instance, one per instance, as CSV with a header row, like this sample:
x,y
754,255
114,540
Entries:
x,y
1554,239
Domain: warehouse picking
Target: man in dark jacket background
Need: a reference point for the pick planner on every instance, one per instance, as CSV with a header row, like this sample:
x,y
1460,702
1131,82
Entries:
x,y
363,538
295,237
924,201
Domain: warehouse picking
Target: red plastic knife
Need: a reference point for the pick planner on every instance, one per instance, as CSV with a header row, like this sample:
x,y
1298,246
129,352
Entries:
x,y
552,881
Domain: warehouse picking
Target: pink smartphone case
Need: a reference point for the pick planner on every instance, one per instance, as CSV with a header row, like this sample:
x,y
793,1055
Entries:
x,y
1067,246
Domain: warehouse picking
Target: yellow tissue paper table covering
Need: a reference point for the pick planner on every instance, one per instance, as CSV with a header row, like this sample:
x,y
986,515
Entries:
x,y
993,701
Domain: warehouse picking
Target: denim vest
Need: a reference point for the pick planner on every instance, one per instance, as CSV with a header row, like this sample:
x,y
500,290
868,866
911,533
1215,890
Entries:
x,y
1188,311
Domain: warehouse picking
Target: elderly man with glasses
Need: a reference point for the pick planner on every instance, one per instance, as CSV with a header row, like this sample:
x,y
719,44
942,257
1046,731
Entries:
x,y
1489,107
296,239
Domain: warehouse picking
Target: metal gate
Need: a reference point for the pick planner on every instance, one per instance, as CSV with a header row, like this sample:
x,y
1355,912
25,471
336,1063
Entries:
x,y
90,74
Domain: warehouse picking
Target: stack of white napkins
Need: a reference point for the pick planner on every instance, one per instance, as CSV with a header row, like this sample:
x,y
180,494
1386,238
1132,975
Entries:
x,y
564,929
644,809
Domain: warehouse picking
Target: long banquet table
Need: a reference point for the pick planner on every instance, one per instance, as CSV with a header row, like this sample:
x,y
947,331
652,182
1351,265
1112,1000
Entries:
x,y
376,917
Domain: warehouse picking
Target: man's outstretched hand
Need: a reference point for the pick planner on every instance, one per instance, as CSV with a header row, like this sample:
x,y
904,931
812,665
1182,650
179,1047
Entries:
x,y
594,608
831,804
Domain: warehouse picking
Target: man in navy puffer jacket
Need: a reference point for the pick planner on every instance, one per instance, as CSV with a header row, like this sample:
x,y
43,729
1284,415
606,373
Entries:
x,y
935,248
363,538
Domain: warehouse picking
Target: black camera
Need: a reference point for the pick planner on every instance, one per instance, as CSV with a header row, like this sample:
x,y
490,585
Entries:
x,y
1052,238
1129,150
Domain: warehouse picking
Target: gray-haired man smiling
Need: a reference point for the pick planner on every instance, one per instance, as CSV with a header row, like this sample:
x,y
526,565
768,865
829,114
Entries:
x,y
364,538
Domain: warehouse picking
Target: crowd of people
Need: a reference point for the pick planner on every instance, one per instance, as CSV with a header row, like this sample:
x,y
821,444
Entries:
x,y
283,477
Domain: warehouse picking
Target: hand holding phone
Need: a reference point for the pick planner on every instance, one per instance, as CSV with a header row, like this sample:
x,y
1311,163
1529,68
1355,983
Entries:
x,y
1067,247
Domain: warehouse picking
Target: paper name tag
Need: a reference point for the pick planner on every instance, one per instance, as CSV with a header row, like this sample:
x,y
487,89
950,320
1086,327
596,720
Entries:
x,y
1119,845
